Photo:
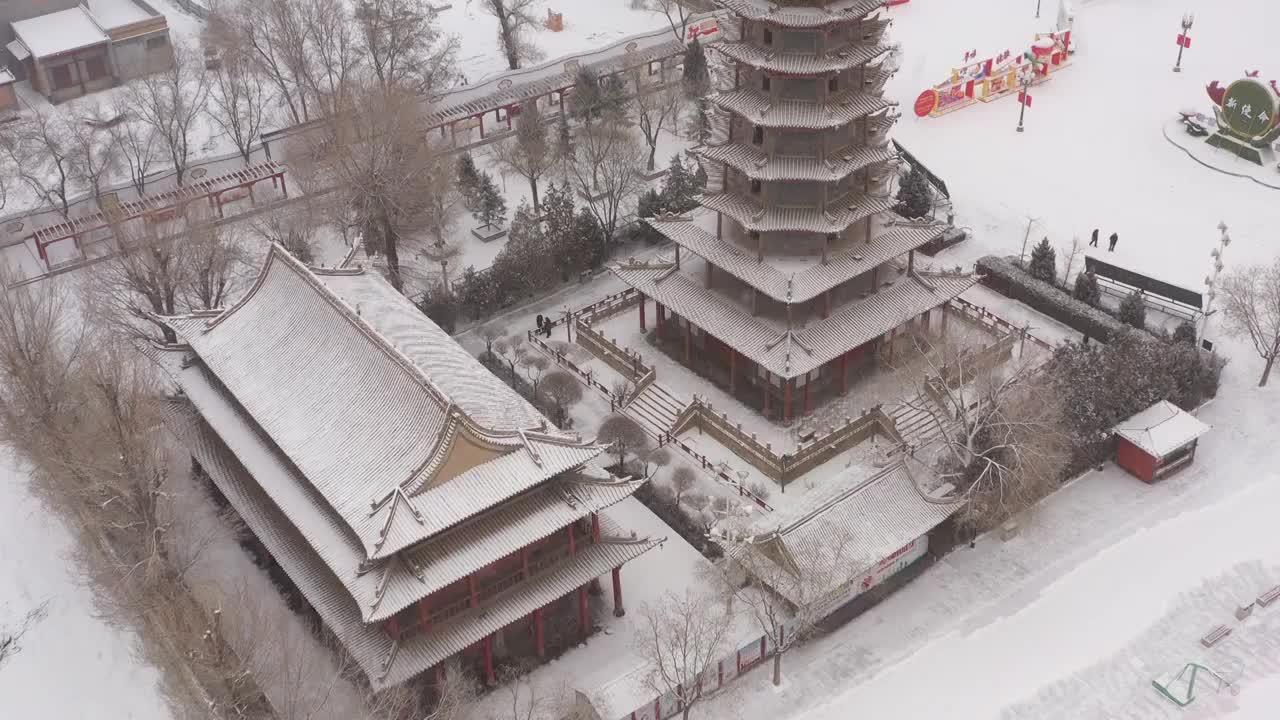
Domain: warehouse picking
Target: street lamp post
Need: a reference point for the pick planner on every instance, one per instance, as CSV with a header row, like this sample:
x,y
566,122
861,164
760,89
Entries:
x,y
1188,19
1024,98
1211,281
1037,9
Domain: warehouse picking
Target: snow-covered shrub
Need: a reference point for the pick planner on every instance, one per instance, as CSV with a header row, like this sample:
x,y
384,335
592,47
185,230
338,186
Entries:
x,y
1086,289
914,196
1185,333
759,489
1133,311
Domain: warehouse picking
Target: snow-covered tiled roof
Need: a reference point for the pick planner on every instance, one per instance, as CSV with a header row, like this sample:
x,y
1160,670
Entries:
x,y
758,165
346,389
815,220
801,63
837,111
371,647
59,32
845,536
795,352
805,285
841,11
1161,429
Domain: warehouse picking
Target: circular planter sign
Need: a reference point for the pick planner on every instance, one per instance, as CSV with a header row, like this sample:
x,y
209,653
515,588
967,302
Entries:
x,y
1249,108
927,102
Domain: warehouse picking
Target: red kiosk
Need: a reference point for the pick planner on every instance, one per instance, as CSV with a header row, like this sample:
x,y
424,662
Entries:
x,y
1158,441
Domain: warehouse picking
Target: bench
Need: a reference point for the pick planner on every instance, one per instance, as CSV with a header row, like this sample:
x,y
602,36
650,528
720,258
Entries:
x,y
1215,635
1269,596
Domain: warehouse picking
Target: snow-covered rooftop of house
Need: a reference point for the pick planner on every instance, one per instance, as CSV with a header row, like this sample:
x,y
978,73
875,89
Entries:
x,y
6,77
115,13
59,32
1161,429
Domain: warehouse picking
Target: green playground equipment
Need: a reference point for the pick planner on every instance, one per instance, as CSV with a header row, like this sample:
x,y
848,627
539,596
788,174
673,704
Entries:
x,y
1190,695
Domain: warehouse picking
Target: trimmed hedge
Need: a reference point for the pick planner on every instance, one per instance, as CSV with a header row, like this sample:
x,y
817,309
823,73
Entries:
x,y
1012,281
678,521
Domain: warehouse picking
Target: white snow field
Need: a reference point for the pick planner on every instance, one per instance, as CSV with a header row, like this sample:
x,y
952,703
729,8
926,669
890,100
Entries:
x,y
73,666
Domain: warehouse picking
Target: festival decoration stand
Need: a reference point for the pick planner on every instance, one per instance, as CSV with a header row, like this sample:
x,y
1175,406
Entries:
x,y
995,77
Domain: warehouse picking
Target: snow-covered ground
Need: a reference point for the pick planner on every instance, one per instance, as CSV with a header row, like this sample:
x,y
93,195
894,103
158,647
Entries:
x,y
73,665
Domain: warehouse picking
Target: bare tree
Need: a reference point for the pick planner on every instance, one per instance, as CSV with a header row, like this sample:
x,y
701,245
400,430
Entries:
x,y
682,637
402,45
622,435
490,334
1069,256
564,390
164,269
333,70
683,479
516,21
535,364
171,102
294,226
42,152
529,153
238,102
655,110
1251,297
11,637
677,13
1002,443
384,169
273,33
96,151
659,457
513,350
137,144
606,171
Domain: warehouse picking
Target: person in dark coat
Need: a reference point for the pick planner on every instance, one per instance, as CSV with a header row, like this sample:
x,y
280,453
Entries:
x,y
1093,242
1115,238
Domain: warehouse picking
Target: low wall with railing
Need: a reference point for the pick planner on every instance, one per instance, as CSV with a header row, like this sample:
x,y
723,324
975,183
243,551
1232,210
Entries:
x,y
627,363
786,467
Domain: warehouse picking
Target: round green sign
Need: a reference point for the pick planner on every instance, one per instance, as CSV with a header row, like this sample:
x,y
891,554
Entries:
x,y
1249,108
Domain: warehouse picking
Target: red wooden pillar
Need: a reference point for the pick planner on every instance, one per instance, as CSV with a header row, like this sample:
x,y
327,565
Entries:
x,y
946,306
473,590
642,299
393,627
595,527
927,313
733,370
284,190
486,648
618,609
583,620
767,382
844,373
786,401
524,562
440,676
573,545
481,116
807,407
539,633
662,315
688,342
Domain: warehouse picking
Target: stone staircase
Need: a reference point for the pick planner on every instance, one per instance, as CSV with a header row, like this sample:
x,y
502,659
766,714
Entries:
x,y
655,409
916,421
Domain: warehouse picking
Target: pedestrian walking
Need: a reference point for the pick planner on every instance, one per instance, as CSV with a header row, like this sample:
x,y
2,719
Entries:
x,y
1115,238
1093,242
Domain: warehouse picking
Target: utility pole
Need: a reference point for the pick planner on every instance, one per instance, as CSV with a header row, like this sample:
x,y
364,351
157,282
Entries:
x,y
1037,9
1184,40
1211,281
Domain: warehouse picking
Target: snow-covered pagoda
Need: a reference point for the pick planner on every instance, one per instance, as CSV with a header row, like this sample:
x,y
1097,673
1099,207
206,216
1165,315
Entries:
x,y
423,508
794,270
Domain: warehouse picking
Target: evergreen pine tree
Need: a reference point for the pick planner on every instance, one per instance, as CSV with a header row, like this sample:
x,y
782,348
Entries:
x,y
441,307
698,126
490,207
1133,311
1044,263
679,187
589,236
613,98
585,99
468,180
914,196
564,139
558,222
1185,333
696,79
1086,289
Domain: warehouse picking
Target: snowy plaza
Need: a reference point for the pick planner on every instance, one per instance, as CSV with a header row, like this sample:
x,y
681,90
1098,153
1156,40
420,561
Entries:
x,y
1082,607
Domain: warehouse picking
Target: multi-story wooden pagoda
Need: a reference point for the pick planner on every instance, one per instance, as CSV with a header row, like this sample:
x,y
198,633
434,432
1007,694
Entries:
x,y
422,507
797,273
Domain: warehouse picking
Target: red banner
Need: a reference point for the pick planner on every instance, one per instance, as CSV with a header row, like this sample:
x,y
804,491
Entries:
x,y
1024,98
1184,41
